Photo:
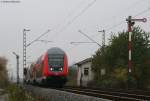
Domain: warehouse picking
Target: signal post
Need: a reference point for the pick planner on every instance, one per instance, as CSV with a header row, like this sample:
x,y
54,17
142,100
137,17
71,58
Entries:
x,y
130,23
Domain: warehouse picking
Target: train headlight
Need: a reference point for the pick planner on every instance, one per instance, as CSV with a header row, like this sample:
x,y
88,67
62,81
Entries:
x,y
61,69
51,69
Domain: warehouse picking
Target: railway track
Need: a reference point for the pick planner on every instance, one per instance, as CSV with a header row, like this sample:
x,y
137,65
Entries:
x,y
110,94
116,95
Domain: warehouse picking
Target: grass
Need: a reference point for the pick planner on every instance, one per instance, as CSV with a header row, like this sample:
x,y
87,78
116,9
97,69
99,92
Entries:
x,y
17,93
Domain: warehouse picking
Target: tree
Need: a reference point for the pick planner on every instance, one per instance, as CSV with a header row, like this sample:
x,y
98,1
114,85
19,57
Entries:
x,y
72,76
114,58
3,72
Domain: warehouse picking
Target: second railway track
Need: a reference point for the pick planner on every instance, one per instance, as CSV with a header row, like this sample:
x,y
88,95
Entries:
x,y
110,94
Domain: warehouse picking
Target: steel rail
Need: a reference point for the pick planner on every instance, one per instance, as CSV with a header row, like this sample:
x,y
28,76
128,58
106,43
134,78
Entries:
x,y
113,95
118,95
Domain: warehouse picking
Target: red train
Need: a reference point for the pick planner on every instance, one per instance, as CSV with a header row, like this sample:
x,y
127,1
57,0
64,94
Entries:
x,y
50,69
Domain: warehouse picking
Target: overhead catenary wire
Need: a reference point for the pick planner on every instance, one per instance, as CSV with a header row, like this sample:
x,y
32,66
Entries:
x,y
38,37
71,13
81,42
89,5
75,17
129,7
122,22
134,4
140,13
114,26
74,9
89,37
75,43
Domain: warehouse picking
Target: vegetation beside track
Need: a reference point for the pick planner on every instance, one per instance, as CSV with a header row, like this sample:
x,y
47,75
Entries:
x,y
72,77
17,93
3,72
114,59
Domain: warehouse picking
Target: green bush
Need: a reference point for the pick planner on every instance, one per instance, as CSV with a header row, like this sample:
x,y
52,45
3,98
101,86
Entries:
x,y
114,59
17,93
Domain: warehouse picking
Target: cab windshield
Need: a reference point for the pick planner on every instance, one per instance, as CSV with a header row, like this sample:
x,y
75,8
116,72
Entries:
x,y
56,60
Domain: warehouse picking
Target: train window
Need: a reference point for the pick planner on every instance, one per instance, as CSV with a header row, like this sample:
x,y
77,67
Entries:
x,y
39,72
86,71
56,59
39,61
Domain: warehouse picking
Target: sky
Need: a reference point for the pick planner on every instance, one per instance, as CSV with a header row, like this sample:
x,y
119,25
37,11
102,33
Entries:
x,y
64,18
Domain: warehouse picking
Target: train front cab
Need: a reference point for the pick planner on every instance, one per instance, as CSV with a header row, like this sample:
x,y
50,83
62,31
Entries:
x,y
55,72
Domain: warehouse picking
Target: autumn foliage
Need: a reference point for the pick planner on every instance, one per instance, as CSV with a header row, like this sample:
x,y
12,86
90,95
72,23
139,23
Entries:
x,y
3,72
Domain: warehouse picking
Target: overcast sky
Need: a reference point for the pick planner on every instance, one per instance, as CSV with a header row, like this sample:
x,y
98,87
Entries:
x,y
64,18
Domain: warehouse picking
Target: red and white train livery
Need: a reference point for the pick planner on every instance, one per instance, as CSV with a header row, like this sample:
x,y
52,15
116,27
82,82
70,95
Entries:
x,y
50,69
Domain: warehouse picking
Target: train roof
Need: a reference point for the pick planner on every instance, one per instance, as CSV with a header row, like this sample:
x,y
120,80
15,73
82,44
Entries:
x,y
55,50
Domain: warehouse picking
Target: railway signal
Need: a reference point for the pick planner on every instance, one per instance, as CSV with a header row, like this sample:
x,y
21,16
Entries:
x,y
131,22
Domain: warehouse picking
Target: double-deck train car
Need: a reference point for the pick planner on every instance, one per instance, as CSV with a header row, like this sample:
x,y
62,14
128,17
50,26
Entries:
x,y
50,69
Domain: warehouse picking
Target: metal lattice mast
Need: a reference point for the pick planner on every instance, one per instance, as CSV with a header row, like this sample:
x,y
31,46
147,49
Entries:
x,y
24,50
103,37
103,40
